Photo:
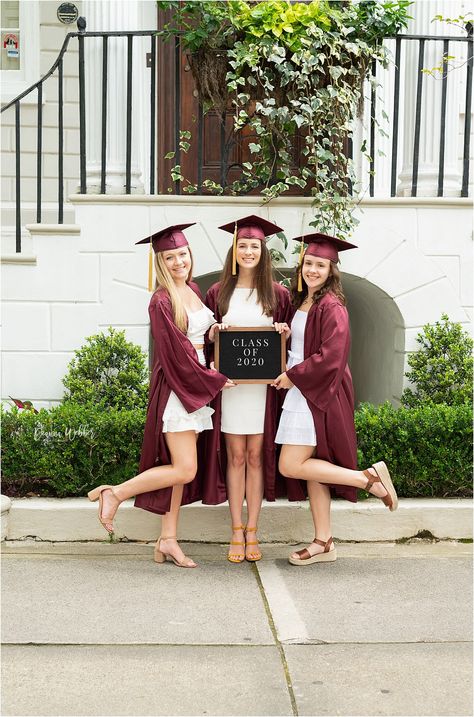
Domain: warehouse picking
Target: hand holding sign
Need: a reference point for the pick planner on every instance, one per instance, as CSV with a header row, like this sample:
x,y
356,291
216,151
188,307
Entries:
x,y
250,354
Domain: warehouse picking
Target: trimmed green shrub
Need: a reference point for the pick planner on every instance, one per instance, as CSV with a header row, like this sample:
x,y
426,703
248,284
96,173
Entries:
x,y
108,371
69,449
428,449
441,370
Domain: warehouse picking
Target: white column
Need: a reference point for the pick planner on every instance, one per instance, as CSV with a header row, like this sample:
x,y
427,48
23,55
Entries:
x,y
113,15
383,140
428,163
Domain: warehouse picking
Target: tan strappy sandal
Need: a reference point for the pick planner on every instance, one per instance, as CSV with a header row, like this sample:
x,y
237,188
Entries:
x,y
253,556
327,556
96,494
236,557
159,556
383,477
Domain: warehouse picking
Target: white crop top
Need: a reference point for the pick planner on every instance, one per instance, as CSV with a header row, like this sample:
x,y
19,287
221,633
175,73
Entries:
x,y
198,323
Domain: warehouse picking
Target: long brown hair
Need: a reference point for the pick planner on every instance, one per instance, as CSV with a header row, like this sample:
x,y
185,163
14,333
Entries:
x,y
263,283
333,284
165,281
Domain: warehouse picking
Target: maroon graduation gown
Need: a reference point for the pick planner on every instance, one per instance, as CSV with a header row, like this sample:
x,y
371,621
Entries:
x,y
214,488
176,368
325,381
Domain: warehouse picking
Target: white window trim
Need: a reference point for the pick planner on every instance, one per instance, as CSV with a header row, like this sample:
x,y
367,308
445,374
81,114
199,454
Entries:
x,y
14,82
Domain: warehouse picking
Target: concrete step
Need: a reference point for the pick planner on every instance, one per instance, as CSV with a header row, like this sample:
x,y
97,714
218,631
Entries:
x,y
75,519
49,213
28,216
8,242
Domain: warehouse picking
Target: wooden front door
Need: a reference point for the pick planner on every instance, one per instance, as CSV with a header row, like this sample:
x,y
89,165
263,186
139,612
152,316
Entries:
x,y
216,153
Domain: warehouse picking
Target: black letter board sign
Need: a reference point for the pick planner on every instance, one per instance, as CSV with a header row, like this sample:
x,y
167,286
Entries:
x,y
250,354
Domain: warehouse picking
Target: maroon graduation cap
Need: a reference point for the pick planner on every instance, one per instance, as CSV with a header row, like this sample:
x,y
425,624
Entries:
x,y
170,238
251,227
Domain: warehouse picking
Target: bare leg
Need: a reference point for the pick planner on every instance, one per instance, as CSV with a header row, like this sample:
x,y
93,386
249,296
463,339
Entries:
x,y
236,452
295,463
254,490
169,528
182,470
320,502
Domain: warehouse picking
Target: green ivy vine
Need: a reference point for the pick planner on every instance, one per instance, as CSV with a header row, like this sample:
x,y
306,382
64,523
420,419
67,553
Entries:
x,y
290,73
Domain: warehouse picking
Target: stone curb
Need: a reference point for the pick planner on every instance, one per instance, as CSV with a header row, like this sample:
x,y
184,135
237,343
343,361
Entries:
x,y
75,519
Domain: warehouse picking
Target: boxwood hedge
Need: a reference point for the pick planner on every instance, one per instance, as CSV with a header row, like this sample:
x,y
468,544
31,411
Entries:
x,y
71,448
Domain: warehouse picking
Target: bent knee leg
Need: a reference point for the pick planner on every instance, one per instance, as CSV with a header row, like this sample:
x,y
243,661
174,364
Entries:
x,y
287,468
185,472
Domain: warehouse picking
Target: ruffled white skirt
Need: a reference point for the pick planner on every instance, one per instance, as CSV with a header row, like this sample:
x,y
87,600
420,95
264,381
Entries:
x,y
176,419
296,427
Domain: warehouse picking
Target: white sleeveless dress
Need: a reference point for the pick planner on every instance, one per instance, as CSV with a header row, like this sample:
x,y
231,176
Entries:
x,y
296,425
243,406
175,416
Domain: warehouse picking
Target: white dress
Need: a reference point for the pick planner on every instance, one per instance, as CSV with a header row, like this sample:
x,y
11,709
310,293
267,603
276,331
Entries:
x,y
175,416
243,406
296,426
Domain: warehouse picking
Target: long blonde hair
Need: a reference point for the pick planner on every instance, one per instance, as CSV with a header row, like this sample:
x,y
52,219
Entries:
x,y
164,280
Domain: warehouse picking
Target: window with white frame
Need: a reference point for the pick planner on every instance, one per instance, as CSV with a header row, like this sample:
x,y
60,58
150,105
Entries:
x,y
10,29
19,50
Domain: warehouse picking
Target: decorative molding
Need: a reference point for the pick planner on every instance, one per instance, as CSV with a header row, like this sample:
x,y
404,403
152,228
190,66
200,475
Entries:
x,y
18,259
173,199
62,229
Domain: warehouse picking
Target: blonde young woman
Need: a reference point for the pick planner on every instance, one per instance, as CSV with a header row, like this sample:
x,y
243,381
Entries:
x,y
180,388
246,296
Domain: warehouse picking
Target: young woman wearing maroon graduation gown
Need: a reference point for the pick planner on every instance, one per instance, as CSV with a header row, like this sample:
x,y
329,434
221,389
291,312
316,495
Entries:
x,y
247,296
180,389
317,423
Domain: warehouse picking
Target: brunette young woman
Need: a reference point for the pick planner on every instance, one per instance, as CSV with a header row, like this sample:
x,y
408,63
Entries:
x,y
180,388
247,415
317,422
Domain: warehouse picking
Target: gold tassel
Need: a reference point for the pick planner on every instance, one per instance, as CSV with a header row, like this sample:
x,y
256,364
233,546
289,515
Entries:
x,y
300,266
234,251
150,268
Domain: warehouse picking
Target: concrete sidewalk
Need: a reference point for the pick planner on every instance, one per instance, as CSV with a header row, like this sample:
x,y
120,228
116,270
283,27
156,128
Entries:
x,y
100,629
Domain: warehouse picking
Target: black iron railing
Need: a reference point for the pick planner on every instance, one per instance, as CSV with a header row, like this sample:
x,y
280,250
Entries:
x,y
154,93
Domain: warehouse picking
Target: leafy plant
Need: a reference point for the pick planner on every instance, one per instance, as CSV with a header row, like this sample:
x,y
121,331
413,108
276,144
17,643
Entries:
x,y
69,449
442,368
108,371
289,71
428,448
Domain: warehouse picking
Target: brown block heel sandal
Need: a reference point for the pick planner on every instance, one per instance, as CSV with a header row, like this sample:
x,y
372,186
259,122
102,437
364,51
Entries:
x,y
236,557
383,477
327,556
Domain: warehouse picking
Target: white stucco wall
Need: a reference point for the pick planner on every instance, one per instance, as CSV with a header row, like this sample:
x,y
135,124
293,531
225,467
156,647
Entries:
x,y
414,262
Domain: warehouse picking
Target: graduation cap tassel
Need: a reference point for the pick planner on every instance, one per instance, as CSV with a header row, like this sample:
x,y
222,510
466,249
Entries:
x,y
150,268
300,258
300,266
234,251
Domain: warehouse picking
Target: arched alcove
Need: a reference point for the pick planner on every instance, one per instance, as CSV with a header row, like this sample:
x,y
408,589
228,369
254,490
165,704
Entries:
x,y
376,358
377,347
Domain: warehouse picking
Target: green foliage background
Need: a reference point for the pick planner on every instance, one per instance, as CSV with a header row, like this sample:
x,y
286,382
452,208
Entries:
x,y
70,449
442,368
108,371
